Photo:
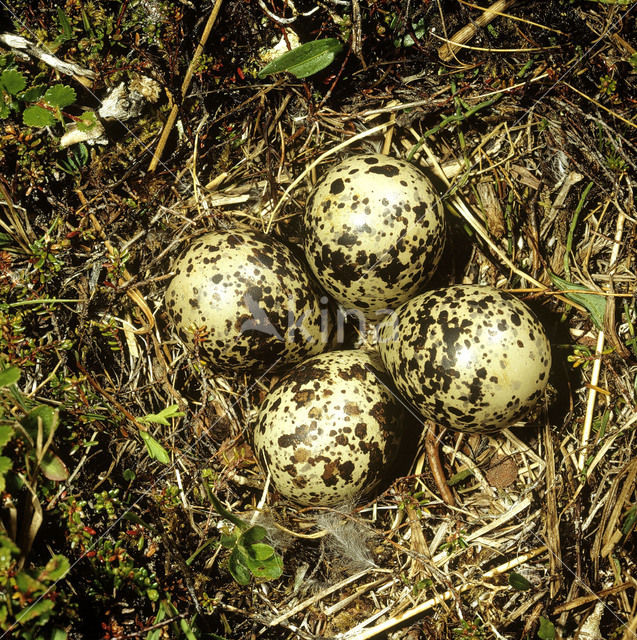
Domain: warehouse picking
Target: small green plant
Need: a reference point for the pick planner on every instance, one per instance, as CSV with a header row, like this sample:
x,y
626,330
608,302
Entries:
x,y
470,630
76,159
249,555
395,24
594,302
27,595
607,85
519,582
41,106
615,162
546,630
454,542
32,435
154,448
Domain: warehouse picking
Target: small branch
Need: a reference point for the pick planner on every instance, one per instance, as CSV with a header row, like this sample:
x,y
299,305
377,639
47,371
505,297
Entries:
x,y
172,116
449,49
431,447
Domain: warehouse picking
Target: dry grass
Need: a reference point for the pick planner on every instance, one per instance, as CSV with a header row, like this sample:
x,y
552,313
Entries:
x,y
514,128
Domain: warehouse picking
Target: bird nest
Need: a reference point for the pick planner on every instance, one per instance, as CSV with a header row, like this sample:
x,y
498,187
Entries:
x,y
513,113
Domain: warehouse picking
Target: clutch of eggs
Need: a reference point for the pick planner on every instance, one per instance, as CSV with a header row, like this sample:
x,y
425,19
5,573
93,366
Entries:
x,y
470,358
374,232
245,302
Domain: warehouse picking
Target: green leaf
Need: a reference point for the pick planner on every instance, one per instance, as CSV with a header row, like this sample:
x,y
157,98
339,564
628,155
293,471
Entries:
x,y
629,520
162,417
53,468
594,302
60,95
87,121
260,552
8,376
220,509
12,81
26,583
5,465
33,94
186,629
229,540
407,40
6,60
36,116
268,569
519,582
43,414
253,535
459,477
305,60
59,634
5,111
56,568
155,450
34,610
66,32
546,630
238,570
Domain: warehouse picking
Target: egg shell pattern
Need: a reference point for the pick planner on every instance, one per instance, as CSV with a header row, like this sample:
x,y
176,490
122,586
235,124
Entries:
x,y
252,299
329,429
374,232
470,358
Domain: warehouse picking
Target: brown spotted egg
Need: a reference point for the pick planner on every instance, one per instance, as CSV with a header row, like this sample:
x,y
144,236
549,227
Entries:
x,y
470,358
245,301
329,429
374,232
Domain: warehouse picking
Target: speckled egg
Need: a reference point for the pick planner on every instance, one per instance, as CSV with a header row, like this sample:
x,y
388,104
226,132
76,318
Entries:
x,y
374,232
329,429
245,301
470,358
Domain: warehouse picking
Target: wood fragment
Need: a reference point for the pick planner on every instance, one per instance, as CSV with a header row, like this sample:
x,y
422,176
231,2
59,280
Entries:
x,y
431,446
172,116
582,601
448,50
552,518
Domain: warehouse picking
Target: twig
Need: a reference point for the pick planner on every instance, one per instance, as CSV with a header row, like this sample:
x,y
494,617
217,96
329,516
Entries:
x,y
601,106
152,627
431,447
68,68
552,519
449,49
172,116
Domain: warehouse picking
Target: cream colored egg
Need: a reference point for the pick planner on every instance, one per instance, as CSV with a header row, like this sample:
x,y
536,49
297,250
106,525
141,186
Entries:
x,y
374,232
242,300
470,358
330,429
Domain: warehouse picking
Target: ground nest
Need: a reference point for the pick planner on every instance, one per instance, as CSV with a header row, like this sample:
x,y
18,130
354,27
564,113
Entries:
x,y
116,503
